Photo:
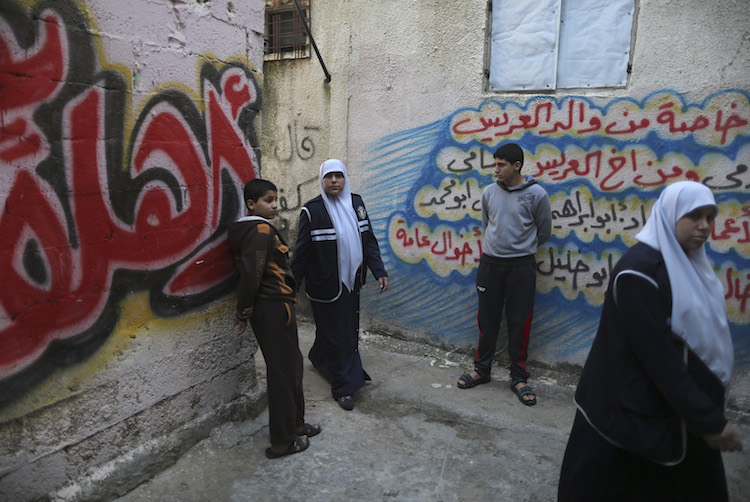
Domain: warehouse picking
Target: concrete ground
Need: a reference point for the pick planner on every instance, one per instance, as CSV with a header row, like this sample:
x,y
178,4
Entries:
x,y
412,436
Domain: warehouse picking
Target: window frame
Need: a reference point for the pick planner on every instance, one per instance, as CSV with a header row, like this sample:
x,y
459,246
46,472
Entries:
x,y
279,16
616,69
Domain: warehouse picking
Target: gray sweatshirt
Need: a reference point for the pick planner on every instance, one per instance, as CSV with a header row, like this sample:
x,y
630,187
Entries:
x,y
515,220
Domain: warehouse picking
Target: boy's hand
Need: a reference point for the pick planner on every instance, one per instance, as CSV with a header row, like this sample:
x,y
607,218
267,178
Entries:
x,y
240,321
383,281
239,325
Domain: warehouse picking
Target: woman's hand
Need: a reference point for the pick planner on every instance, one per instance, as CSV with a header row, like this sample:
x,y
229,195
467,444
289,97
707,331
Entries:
x,y
383,281
240,321
728,440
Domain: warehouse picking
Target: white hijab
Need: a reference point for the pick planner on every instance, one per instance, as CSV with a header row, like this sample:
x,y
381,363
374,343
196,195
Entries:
x,y
699,313
345,222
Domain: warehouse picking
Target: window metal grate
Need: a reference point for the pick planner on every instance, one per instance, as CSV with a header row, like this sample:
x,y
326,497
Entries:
x,y
285,36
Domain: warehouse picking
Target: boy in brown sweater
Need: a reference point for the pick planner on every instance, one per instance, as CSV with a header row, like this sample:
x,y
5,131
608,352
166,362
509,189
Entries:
x,y
266,297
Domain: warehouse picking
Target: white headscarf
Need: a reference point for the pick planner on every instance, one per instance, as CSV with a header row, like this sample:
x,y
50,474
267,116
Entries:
x,y
699,313
345,222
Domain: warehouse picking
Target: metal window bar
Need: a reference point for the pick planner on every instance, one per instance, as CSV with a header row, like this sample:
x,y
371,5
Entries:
x,y
285,35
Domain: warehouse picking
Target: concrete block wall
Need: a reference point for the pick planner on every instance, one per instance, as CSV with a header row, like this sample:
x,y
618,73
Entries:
x,y
127,130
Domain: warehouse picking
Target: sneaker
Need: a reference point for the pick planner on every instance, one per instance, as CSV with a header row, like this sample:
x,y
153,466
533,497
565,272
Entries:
x,y
346,402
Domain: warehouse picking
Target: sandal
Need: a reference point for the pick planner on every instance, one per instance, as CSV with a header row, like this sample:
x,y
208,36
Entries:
x,y
310,430
471,382
524,391
298,445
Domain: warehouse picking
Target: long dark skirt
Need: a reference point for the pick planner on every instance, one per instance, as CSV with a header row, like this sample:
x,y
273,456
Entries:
x,y
335,353
595,470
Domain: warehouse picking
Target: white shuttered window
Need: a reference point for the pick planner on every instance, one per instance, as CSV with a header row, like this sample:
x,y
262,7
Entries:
x,y
560,44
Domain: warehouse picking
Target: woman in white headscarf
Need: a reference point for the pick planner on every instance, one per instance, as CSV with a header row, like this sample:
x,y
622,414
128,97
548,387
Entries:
x,y
650,423
335,246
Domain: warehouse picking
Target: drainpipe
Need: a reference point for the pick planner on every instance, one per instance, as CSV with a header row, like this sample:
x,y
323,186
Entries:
x,y
309,34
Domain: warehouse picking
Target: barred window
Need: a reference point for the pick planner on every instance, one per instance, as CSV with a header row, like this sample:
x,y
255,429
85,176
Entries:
x,y
285,36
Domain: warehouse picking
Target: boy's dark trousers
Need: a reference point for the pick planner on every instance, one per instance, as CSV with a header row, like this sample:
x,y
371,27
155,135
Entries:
x,y
508,283
275,325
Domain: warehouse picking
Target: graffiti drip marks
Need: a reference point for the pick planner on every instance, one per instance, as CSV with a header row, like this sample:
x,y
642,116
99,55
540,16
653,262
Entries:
x,y
78,232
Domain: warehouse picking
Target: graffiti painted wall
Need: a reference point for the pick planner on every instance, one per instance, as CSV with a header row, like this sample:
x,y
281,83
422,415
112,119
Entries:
x,y
603,165
409,111
127,131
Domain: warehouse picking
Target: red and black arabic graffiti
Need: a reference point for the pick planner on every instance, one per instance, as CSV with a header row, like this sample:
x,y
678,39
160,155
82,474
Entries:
x,y
578,121
84,223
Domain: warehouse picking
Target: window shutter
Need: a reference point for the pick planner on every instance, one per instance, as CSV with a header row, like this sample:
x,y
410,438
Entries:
x,y
523,53
595,43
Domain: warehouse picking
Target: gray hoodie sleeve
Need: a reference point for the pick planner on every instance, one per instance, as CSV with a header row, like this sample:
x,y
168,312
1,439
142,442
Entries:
x,y
543,220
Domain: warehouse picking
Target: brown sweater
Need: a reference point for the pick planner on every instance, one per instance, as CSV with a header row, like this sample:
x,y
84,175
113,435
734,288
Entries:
x,y
261,259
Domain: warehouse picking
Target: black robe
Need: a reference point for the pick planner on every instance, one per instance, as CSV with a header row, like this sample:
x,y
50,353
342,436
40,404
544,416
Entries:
x,y
335,353
644,399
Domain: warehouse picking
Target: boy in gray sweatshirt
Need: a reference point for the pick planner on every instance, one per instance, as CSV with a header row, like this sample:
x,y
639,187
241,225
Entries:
x,y
516,218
